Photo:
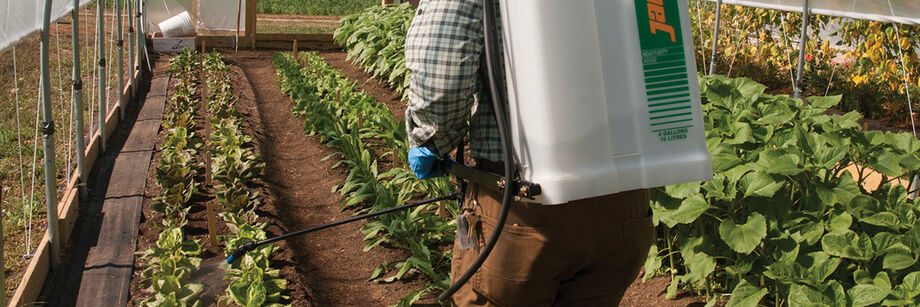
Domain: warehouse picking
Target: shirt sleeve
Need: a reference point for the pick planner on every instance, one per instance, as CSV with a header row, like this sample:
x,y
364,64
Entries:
x,y
443,49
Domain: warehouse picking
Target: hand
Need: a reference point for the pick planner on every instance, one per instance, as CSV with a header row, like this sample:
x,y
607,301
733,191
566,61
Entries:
x,y
424,163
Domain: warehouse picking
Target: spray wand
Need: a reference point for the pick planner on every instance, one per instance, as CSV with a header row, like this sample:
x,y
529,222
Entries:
x,y
248,246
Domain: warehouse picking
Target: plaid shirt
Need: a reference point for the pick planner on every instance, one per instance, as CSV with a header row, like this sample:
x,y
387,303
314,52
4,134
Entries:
x,y
444,47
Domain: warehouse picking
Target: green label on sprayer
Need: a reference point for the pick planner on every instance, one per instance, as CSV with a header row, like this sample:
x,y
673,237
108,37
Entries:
x,y
665,67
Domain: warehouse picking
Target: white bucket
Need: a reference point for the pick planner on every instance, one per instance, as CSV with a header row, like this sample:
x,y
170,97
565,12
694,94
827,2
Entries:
x,y
178,26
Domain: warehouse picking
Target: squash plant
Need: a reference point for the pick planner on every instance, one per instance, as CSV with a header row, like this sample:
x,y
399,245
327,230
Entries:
x,y
783,222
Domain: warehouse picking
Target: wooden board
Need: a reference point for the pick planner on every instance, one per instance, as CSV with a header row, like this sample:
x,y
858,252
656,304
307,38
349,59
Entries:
x,y
37,272
272,41
106,273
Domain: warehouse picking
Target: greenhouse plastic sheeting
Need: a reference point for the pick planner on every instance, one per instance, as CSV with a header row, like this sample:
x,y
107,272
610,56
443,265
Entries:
x,y
212,14
160,10
220,15
20,18
900,11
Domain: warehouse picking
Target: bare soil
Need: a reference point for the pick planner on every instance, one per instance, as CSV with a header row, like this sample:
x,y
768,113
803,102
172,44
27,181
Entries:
x,y
332,262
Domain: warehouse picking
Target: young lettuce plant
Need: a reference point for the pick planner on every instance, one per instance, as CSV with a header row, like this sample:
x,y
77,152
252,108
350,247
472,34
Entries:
x,y
169,266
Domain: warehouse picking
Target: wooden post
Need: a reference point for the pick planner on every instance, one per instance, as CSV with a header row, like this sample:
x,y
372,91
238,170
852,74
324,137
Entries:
x,y
236,42
204,46
251,8
212,230
295,48
195,15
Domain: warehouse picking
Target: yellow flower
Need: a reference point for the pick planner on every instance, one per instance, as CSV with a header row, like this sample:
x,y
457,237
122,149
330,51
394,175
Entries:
x,y
859,79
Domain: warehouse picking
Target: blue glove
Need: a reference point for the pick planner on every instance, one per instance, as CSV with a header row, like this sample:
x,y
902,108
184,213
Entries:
x,y
424,163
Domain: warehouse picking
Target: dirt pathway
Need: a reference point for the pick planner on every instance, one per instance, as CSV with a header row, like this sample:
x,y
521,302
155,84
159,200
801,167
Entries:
x,y
332,262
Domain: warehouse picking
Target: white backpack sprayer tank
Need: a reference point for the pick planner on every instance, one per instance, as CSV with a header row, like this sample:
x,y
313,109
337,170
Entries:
x,y
603,96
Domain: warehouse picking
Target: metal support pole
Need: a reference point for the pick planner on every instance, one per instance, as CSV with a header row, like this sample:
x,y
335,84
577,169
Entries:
x,y
799,88
77,101
715,37
100,72
131,55
120,46
140,34
48,139
142,39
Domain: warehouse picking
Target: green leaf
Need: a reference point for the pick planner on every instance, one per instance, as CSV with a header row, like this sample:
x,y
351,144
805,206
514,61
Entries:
x,y
823,102
743,133
683,190
780,162
841,221
746,294
689,210
883,219
830,294
745,237
846,244
256,295
898,259
819,266
652,263
865,295
888,164
699,263
759,184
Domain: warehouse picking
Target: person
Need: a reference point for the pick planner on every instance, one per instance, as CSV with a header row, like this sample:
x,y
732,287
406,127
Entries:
x,y
582,253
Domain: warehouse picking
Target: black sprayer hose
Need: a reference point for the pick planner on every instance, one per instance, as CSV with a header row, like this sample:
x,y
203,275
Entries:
x,y
248,246
489,36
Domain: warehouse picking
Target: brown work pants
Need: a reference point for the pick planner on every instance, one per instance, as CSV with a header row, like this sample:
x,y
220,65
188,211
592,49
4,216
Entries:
x,y
583,253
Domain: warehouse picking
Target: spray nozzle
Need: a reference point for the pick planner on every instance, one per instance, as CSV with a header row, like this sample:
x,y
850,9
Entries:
x,y
240,251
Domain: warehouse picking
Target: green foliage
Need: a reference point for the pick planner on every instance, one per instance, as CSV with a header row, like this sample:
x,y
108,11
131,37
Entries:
x,y
864,65
169,266
177,167
314,7
252,280
234,165
364,133
376,39
782,220
234,162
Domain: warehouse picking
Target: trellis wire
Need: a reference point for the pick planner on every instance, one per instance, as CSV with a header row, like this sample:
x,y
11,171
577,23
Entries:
x,y
34,168
108,68
735,54
830,80
699,18
92,68
782,17
64,117
22,178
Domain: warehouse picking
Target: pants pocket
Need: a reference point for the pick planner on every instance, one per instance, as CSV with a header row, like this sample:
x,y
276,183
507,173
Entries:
x,y
520,270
